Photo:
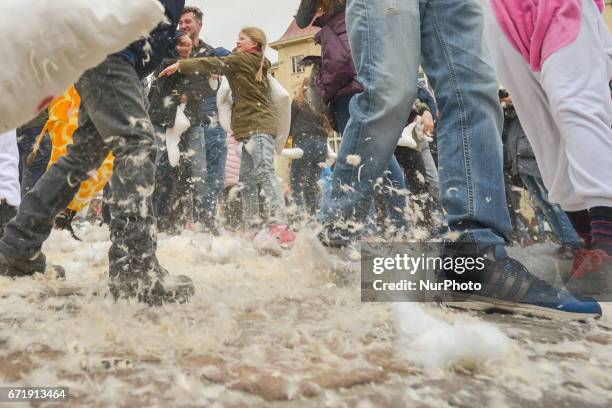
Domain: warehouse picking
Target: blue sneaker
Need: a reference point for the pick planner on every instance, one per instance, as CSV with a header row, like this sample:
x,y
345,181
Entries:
x,y
507,286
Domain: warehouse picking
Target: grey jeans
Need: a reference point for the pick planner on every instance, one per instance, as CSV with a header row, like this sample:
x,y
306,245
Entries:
x,y
257,167
113,118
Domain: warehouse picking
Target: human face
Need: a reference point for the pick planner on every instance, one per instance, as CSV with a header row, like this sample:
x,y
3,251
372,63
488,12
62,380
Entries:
x,y
190,26
245,43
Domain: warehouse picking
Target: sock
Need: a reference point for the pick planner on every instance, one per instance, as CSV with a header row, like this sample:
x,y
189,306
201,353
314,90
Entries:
x,y
601,228
581,220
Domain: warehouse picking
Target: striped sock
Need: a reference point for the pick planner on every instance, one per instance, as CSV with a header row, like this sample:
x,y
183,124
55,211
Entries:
x,y
581,220
601,228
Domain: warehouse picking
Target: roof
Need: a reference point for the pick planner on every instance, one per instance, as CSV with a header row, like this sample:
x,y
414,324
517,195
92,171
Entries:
x,y
294,32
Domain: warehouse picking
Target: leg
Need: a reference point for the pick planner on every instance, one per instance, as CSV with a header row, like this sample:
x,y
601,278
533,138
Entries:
x,y
26,233
249,193
378,114
9,178
216,153
195,154
575,79
164,182
114,99
261,148
469,142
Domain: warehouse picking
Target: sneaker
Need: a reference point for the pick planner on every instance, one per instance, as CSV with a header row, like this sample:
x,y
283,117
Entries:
x,y
342,259
592,274
164,288
507,286
17,268
284,236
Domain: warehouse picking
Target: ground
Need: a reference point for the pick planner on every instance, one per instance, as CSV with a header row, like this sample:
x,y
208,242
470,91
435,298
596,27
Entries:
x,y
270,331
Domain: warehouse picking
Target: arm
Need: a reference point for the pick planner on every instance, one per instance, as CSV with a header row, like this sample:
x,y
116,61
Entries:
x,y
306,12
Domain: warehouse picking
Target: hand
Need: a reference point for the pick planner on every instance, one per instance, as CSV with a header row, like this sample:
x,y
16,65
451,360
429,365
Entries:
x,y
184,46
169,70
428,123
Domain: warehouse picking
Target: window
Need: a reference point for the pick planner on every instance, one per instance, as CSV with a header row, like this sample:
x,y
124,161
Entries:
x,y
296,64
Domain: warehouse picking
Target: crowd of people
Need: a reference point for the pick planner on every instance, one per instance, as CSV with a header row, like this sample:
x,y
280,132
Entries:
x,y
450,153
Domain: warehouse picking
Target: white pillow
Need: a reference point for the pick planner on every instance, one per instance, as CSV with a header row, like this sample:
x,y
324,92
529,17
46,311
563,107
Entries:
x,y
46,46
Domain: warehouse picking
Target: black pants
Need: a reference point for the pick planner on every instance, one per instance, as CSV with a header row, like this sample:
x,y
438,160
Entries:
x,y
113,118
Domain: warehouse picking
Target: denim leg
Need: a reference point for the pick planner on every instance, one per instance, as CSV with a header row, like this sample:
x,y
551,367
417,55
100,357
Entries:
x,y
556,217
469,143
25,234
261,149
385,40
195,157
305,173
216,153
395,198
164,179
249,194
31,173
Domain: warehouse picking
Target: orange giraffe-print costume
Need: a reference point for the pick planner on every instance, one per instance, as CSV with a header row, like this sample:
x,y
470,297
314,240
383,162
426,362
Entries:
x,y
63,121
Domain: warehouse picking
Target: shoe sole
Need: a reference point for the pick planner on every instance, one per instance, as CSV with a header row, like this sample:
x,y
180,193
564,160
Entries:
x,y
487,305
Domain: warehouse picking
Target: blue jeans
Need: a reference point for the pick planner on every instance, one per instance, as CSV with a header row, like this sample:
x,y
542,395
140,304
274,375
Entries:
x,y
29,174
257,167
557,219
193,155
388,39
215,140
393,183
305,173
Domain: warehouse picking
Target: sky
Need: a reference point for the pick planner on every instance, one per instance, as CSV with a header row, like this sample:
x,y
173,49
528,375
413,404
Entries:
x,y
223,19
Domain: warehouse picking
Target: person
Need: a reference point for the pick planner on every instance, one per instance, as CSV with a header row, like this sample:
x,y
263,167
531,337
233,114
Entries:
x,y
10,195
232,208
309,133
557,71
112,117
185,188
523,165
31,171
254,122
388,41
337,82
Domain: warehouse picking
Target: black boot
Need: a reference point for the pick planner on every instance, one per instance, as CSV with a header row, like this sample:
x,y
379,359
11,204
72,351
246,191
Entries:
x,y
134,271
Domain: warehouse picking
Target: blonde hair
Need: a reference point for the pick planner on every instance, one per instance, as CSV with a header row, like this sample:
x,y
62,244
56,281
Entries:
x,y
258,36
300,98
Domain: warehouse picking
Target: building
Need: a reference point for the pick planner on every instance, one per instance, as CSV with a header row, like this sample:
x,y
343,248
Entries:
x,y
294,45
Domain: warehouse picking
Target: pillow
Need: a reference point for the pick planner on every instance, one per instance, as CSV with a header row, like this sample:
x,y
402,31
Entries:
x,y
46,46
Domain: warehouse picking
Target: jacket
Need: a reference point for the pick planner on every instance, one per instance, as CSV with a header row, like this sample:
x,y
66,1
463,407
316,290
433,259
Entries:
x,y
252,111
165,93
305,123
232,162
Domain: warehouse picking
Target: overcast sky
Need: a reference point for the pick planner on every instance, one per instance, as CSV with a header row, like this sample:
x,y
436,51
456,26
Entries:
x,y
224,18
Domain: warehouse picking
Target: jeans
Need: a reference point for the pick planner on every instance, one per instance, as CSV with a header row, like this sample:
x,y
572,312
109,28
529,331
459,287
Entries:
x,y
216,152
29,174
112,117
388,39
394,183
305,173
184,187
257,167
557,219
